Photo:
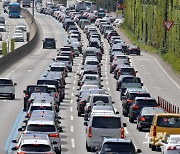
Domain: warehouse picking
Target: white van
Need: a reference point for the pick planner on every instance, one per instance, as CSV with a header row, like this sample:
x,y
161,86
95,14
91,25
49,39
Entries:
x,y
7,88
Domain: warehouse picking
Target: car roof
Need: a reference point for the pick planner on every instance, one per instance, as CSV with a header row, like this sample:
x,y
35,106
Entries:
x,y
98,107
135,90
35,141
43,122
144,98
117,140
41,104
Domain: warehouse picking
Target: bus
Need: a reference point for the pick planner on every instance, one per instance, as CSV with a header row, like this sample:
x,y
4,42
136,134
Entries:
x,y
14,10
91,5
80,6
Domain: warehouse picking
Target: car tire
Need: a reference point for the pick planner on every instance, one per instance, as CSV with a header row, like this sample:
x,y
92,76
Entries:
x,y
153,147
88,148
79,114
139,128
125,114
117,89
131,120
12,97
70,70
150,145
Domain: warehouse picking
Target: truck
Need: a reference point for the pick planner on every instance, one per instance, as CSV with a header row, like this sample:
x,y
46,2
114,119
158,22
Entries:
x,y
26,3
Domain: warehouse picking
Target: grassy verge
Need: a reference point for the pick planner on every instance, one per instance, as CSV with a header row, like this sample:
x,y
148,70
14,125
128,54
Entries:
x,y
170,57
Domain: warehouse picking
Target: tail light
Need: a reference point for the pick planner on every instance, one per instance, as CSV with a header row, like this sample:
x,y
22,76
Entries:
x,y
56,95
119,73
135,107
89,108
56,135
21,153
90,132
26,95
28,115
129,101
122,132
143,119
154,131
69,63
113,65
171,148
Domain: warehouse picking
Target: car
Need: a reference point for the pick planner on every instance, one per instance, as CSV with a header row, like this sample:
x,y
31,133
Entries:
x,y
145,117
138,104
33,89
172,146
129,96
117,145
2,27
49,43
18,37
21,26
164,124
133,49
117,22
0,37
0,47
7,88
101,125
33,143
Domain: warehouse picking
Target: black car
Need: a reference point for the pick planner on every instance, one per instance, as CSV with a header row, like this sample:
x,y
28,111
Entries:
x,y
144,120
49,43
33,89
138,104
132,49
129,96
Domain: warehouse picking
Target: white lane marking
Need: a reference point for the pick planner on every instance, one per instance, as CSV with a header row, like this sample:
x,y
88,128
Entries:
x,y
107,82
75,77
73,143
126,131
71,101
106,76
108,89
71,109
164,71
29,70
74,81
72,94
72,129
71,117
105,72
73,88
17,67
78,67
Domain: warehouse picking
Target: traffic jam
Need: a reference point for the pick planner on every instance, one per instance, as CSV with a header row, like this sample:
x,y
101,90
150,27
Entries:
x,y
103,123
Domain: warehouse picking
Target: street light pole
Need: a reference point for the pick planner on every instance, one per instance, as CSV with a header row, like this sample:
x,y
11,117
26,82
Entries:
x,y
33,9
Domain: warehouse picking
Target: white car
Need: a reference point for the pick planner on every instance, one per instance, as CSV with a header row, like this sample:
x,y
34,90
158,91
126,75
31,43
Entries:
x,y
117,22
18,37
172,146
2,28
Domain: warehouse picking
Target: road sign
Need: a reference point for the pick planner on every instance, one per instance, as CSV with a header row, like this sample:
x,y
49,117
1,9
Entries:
x,y
168,24
121,6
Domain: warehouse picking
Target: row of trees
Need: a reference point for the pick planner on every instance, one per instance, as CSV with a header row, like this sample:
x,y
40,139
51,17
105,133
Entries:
x,y
145,18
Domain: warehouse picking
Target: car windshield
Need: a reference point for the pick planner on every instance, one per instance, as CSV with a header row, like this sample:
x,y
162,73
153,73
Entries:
x,y
129,70
35,148
101,98
118,148
168,121
94,44
5,82
106,122
49,39
41,128
131,80
92,63
57,69
62,59
90,78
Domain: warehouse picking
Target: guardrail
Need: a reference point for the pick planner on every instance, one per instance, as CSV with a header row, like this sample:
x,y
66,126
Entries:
x,y
168,106
12,57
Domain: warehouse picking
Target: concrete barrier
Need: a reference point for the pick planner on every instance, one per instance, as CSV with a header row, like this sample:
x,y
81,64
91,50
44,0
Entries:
x,y
12,57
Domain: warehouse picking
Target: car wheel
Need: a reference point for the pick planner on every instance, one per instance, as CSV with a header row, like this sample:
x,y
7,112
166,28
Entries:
x,y
131,120
12,97
70,70
117,89
79,114
139,128
125,114
150,145
153,147
88,148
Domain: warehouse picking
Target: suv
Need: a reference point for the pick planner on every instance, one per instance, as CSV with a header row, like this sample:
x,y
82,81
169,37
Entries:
x,y
49,43
33,89
164,124
132,49
138,104
101,125
129,96
117,145
7,88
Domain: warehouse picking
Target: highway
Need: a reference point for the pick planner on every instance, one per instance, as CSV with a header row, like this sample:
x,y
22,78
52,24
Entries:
x,y
157,81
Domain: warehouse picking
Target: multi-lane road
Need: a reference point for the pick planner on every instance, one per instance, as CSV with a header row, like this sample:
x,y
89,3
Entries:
x,y
157,80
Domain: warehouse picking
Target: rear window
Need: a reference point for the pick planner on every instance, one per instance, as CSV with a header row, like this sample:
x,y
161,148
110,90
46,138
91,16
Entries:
x,y
146,102
133,95
51,90
92,62
168,121
65,49
35,148
106,122
41,108
62,59
48,82
91,78
6,82
94,44
57,69
124,148
131,80
130,70
41,128
49,39
101,98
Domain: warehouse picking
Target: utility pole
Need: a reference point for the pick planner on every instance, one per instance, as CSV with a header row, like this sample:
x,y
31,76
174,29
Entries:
x,y
33,9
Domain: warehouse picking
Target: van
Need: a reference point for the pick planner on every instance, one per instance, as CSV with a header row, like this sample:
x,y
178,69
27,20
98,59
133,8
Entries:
x,y
102,125
7,88
163,125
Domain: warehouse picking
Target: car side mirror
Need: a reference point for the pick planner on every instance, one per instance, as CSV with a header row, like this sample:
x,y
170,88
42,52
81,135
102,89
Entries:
x,y
15,84
139,150
21,129
60,129
124,97
113,102
124,125
25,121
58,121
14,141
24,91
53,59
117,112
142,84
136,71
85,123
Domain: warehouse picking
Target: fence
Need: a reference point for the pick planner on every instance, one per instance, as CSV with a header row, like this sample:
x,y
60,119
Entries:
x,y
168,106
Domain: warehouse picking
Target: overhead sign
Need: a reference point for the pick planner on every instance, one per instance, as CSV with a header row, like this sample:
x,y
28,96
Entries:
x,y
121,6
168,24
